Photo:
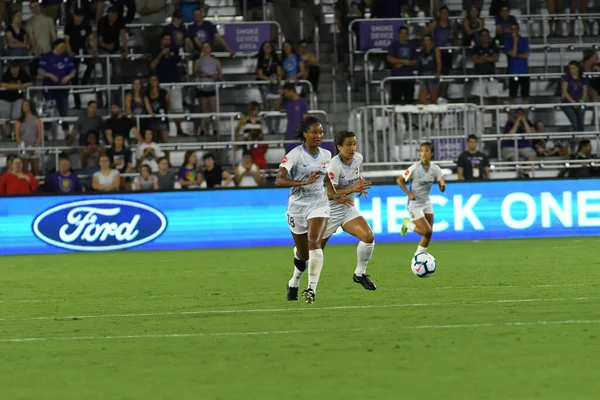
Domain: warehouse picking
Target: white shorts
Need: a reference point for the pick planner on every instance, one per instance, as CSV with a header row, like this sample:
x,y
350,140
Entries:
x,y
418,211
335,221
486,88
298,223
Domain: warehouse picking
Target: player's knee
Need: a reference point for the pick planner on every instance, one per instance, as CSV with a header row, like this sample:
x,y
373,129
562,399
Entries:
x,y
427,232
368,237
314,242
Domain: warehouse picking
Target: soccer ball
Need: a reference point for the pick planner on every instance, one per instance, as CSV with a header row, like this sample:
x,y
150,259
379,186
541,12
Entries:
x,y
423,265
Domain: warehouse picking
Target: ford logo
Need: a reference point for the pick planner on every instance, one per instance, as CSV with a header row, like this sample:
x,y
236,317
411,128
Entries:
x,y
99,225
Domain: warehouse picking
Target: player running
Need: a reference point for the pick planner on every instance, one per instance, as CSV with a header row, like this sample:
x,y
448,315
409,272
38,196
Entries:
x,y
344,173
420,177
304,169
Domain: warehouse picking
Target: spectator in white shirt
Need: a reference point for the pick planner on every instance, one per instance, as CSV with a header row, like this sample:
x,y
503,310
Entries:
x,y
145,181
247,174
149,152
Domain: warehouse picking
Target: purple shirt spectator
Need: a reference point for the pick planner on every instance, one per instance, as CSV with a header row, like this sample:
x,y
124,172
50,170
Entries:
x,y
505,25
521,143
574,87
58,65
295,109
188,175
178,35
59,183
204,32
403,52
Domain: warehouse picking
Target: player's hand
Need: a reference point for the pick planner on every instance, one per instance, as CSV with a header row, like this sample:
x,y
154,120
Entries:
x,y
343,200
313,177
442,185
412,197
361,186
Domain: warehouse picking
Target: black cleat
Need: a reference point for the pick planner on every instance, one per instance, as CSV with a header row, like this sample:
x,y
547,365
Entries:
x,y
292,293
309,296
365,281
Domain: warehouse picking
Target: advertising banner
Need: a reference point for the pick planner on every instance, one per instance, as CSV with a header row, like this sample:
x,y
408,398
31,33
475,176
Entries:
x,y
257,217
377,34
247,38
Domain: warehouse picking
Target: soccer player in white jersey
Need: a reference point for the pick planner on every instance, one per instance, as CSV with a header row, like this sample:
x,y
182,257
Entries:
x,y
344,173
304,169
420,177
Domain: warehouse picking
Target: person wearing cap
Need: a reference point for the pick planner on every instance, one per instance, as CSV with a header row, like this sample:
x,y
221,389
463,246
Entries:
x,y
57,69
205,31
15,80
41,33
178,32
78,38
119,6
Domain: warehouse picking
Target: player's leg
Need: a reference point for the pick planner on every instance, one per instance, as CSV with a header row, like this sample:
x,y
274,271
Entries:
x,y
316,229
299,229
360,229
419,225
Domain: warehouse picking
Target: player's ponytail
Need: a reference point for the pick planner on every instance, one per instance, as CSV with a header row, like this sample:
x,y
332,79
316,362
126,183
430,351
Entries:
x,y
340,137
305,127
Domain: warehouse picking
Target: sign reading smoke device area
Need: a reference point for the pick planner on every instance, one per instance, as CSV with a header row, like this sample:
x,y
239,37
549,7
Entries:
x,y
378,34
247,38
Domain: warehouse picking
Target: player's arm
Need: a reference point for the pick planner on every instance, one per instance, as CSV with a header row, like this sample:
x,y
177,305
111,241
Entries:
x,y
402,183
360,187
333,194
440,179
282,179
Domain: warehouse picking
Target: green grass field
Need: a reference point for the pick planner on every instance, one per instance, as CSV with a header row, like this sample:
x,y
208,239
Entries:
x,y
513,319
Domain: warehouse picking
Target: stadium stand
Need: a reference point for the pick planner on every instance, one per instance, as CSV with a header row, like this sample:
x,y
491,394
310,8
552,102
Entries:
x,y
353,86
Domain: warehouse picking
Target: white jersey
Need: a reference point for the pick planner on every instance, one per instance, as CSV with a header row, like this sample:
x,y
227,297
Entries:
x,y
344,176
300,164
420,181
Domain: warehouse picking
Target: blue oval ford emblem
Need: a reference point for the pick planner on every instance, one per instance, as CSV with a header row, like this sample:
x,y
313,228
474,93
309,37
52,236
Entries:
x,y
99,225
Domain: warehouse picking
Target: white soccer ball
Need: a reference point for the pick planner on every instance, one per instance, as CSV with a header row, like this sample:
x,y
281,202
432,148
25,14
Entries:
x,y
423,265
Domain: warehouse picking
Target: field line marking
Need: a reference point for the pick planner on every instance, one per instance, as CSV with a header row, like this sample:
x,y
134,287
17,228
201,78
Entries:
x,y
164,296
288,332
295,309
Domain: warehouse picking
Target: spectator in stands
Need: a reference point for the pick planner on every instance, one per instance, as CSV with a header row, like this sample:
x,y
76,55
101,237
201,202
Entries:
x,y
547,148
473,164
187,8
107,179
443,31
51,8
91,154
269,69
134,100
79,39
247,174
485,56
28,131
312,69
166,179
574,91
16,37
15,80
120,158
8,166
554,7
296,108
386,8
63,180
504,23
402,57
179,34
88,123
189,177
57,69
119,6
205,31
517,51
145,181
293,66
518,125
17,181
112,37
251,121
582,5
258,150
209,71
473,24
118,124
496,7
153,12
41,33
149,152
430,64
590,64
214,175
158,104
253,10
345,12
585,170
164,61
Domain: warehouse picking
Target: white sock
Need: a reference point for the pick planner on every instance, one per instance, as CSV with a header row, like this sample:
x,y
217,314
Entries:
x,y
411,226
364,251
315,264
421,249
297,274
